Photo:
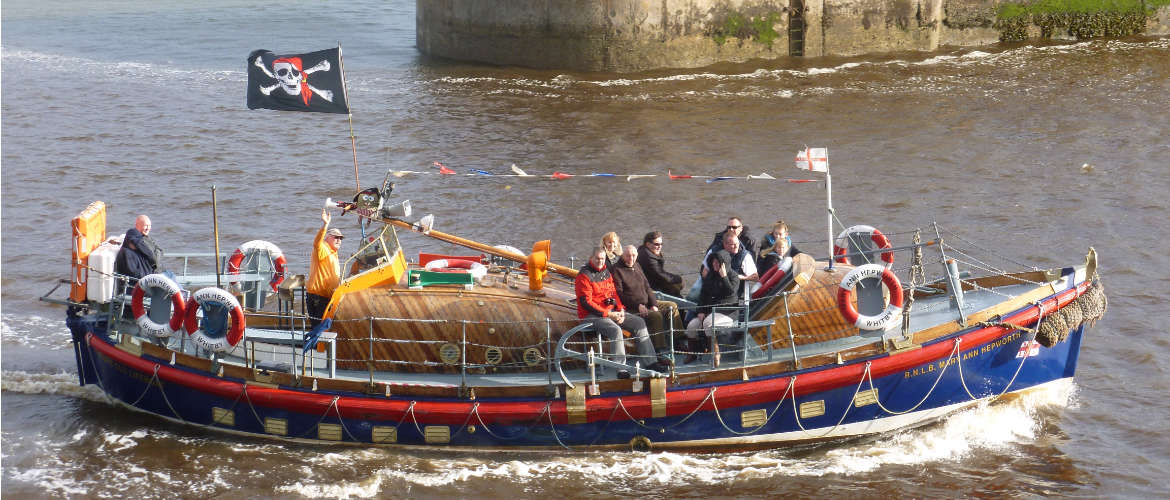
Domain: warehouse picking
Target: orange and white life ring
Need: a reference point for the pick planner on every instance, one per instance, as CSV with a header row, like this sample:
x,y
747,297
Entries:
x,y
773,276
841,244
209,299
476,269
253,247
147,325
845,297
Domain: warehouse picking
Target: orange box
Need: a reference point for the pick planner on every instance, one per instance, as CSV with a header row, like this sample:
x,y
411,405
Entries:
x,y
89,231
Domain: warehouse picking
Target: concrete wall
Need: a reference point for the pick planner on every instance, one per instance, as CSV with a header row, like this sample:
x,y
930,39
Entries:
x,y
635,35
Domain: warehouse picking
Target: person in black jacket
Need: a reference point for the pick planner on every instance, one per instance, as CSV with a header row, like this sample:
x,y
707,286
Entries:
x,y
720,287
139,255
735,226
653,264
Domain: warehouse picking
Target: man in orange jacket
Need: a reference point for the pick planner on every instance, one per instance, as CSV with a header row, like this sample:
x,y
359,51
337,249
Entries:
x,y
598,303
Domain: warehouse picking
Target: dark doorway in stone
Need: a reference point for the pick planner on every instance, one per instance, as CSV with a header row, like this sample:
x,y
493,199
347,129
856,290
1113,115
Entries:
x,y
796,28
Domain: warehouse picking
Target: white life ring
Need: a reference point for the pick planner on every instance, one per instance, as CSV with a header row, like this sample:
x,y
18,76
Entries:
x,y
841,244
476,269
147,325
216,296
251,247
845,297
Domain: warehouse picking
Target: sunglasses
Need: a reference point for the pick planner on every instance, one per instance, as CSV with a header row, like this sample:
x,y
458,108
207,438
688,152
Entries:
x,y
655,243
734,227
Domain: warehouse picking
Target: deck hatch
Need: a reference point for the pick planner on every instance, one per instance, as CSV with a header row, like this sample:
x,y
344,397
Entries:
x,y
812,409
224,417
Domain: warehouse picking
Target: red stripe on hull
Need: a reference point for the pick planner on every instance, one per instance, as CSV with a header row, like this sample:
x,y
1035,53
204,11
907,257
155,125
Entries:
x,y
679,402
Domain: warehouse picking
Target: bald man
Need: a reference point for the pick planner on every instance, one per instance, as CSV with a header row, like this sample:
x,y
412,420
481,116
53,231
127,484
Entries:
x,y
139,255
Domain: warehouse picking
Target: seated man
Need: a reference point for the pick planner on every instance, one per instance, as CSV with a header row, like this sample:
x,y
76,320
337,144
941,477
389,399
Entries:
x,y
720,288
598,303
743,257
635,293
139,255
653,265
735,226
742,262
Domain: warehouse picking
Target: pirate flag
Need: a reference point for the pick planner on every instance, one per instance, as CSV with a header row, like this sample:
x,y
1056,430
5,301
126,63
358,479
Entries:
x,y
297,82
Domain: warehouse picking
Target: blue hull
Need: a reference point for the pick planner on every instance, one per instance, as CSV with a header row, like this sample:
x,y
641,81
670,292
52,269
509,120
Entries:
x,y
769,417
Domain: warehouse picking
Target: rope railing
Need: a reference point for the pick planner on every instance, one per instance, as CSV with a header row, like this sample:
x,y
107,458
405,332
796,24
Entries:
x,y
511,353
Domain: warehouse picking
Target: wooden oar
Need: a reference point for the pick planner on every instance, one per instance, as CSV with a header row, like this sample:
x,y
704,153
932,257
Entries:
x,y
488,249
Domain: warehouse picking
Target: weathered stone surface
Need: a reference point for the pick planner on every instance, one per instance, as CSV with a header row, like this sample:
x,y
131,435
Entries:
x,y
635,35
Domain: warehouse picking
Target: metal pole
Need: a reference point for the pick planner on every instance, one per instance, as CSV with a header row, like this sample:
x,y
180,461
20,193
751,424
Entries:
x,y
463,359
215,231
371,365
829,204
791,336
548,346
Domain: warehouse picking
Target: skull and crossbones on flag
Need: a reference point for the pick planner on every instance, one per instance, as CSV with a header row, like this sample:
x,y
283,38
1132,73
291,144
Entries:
x,y
297,82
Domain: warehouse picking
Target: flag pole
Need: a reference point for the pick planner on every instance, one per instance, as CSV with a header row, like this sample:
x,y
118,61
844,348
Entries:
x,y
828,203
352,137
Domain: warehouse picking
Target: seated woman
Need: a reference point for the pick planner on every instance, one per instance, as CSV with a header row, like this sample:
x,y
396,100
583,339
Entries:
x,y
720,287
653,264
613,248
777,246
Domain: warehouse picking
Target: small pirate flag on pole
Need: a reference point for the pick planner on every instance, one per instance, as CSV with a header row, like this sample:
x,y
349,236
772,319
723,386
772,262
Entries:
x,y
297,82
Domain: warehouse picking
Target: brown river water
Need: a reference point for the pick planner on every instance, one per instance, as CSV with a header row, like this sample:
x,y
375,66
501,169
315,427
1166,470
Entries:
x,y
1033,152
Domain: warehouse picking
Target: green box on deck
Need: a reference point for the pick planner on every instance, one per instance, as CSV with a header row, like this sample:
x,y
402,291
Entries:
x,y
419,278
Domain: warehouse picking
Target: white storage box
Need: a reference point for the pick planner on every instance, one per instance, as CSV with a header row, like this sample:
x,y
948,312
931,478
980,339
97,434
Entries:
x,y
101,273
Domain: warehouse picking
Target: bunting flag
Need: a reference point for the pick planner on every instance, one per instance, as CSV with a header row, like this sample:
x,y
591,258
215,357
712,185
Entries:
x,y
297,82
441,169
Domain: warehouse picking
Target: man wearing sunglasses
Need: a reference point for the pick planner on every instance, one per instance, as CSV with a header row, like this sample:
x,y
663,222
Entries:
x,y
324,269
735,226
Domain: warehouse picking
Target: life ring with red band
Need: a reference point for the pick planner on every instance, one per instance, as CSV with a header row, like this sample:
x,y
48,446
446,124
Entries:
x,y
841,244
206,299
892,312
476,269
773,276
147,325
278,260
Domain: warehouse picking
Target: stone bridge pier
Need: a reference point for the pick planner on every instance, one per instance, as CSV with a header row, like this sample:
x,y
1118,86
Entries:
x,y
637,35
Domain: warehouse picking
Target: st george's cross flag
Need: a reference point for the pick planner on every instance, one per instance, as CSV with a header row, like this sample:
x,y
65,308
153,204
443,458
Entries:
x,y
297,82
813,159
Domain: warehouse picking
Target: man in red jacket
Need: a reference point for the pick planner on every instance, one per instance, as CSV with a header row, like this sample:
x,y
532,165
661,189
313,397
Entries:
x,y
598,303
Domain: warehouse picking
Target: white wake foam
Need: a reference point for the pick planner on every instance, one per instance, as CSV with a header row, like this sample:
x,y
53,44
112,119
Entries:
x,y
987,427
34,331
61,383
